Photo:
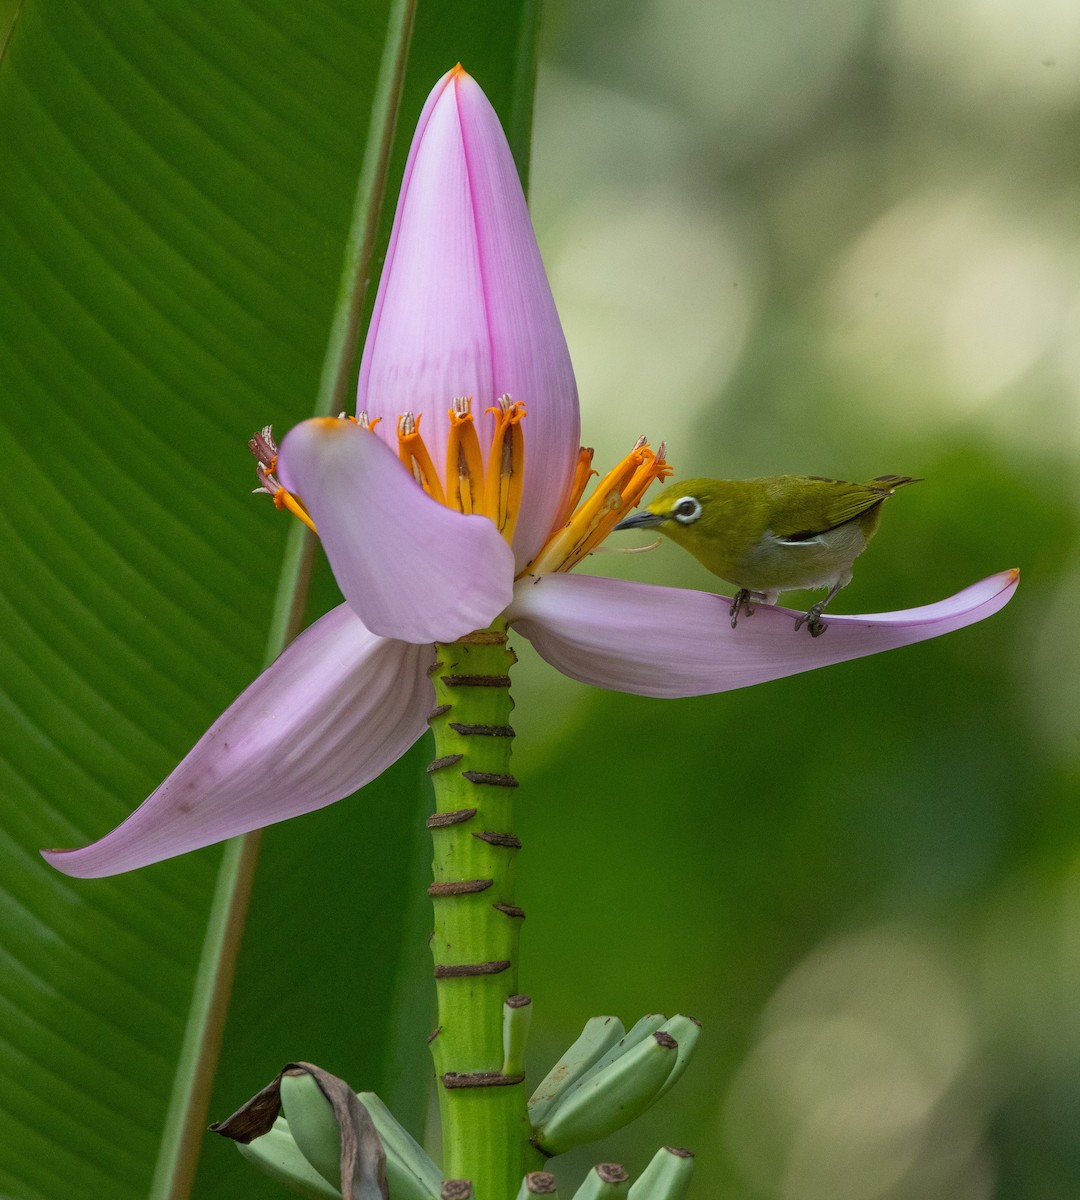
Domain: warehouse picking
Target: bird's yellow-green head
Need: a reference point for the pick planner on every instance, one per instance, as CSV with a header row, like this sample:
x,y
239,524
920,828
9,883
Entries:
x,y
717,520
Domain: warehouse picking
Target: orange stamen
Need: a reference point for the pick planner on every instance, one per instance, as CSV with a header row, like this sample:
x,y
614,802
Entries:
x,y
505,467
583,472
464,462
284,499
414,454
618,491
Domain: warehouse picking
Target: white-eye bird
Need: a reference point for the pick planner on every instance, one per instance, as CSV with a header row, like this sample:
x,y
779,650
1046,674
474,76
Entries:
x,y
773,534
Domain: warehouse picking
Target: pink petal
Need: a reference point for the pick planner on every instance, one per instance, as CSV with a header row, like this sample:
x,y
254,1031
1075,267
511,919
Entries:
x,y
410,567
464,307
332,712
659,641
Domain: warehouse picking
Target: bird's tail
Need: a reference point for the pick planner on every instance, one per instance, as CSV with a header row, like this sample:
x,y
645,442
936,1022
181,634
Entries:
x,y
891,483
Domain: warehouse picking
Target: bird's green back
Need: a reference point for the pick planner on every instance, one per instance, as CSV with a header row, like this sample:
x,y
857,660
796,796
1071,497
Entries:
x,y
806,505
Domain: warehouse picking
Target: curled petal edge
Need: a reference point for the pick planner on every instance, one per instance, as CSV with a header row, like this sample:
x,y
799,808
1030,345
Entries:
x,y
411,568
669,642
332,712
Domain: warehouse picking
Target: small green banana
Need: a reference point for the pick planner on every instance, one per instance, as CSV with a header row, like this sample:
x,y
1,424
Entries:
x,y
638,1033
667,1177
410,1173
606,1181
314,1102
610,1098
538,1183
312,1124
517,1015
686,1031
598,1036
277,1155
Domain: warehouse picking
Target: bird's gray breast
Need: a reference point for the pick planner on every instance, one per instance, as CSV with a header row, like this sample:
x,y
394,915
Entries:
x,y
819,560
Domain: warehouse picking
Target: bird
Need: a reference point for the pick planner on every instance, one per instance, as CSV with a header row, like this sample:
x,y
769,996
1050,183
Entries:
x,y
773,534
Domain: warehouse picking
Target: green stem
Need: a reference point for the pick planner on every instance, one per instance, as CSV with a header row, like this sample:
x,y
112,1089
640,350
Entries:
x,y
185,1128
484,1118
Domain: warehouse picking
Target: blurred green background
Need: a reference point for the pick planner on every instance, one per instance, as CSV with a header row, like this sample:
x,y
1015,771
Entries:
x,y
838,238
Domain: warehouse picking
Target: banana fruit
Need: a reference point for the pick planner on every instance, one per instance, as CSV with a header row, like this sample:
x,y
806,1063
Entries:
x,y
610,1087
276,1154
597,1038
410,1172
537,1183
667,1177
686,1031
313,1125
606,1181
517,1015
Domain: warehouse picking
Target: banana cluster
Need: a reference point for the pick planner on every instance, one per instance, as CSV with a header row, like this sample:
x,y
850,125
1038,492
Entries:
x,y
667,1177
302,1150
608,1078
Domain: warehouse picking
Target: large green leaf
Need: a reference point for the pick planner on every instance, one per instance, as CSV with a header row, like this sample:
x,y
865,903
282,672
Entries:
x,y
178,200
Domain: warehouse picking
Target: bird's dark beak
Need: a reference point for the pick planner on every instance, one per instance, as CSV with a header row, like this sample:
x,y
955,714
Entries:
x,y
641,520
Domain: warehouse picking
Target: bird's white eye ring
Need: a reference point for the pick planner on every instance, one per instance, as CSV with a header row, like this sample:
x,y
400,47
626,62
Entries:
x,y
687,510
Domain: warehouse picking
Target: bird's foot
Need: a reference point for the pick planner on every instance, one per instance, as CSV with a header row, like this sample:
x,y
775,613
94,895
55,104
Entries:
x,y
741,604
812,620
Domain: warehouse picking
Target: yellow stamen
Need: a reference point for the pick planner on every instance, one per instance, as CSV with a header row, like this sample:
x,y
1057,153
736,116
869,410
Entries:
x,y
583,472
505,467
615,494
414,454
284,499
464,462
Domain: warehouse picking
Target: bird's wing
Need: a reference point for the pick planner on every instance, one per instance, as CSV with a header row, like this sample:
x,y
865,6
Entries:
x,y
834,503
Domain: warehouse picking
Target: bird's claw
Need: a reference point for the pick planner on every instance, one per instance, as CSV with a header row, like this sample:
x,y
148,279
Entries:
x,y
741,604
812,620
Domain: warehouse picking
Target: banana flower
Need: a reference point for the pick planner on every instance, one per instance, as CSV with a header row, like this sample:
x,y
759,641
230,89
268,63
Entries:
x,y
454,498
